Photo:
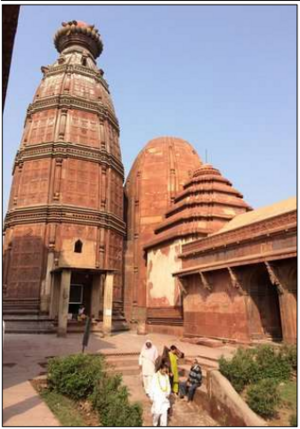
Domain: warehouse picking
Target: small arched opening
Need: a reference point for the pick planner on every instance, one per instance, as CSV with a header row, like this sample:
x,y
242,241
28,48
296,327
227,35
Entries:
x,y
78,246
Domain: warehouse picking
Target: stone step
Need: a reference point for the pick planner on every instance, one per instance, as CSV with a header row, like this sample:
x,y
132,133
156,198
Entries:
x,y
128,370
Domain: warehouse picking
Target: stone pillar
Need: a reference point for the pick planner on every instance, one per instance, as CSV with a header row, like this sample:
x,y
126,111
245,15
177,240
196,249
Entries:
x,y
108,303
46,285
96,295
55,292
64,302
288,312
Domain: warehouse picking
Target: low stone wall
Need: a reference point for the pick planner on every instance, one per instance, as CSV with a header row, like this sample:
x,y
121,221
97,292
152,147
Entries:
x,y
225,404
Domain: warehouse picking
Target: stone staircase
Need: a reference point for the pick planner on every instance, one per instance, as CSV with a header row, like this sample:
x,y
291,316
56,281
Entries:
x,y
28,323
183,413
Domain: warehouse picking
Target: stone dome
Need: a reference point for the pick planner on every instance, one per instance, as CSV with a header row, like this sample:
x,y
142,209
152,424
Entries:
x,y
157,175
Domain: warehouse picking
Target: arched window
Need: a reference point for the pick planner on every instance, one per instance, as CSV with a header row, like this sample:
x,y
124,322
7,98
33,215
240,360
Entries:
x,y
78,247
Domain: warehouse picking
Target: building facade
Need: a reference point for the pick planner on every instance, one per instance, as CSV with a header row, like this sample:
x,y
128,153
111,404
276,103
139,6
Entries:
x,y
64,227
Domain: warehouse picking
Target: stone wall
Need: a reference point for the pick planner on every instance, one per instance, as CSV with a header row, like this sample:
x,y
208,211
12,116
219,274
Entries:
x,y
226,405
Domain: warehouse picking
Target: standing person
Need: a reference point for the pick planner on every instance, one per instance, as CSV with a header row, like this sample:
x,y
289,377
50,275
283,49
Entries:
x,y
147,360
194,380
174,376
159,393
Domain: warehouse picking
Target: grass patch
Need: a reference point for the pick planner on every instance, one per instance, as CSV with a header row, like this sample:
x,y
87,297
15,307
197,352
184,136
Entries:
x,y
288,393
63,408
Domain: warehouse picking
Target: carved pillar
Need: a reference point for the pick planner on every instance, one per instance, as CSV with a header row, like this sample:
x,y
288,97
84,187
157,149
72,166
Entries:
x,y
65,285
27,131
103,186
16,184
6,264
287,299
108,303
46,285
67,83
57,178
55,293
62,124
96,295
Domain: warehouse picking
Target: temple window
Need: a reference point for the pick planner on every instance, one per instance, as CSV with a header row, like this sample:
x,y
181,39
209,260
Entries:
x,y
78,247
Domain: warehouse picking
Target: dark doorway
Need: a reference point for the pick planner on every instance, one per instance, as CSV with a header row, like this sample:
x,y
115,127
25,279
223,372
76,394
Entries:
x,y
80,292
264,311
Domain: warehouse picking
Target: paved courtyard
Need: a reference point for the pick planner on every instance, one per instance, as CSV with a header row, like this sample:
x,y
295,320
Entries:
x,y
24,358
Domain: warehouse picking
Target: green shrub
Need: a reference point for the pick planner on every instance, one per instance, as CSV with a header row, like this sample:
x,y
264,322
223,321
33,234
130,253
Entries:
x,y
241,370
251,365
110,399
293,420
263,397
272,364
289,352
76,375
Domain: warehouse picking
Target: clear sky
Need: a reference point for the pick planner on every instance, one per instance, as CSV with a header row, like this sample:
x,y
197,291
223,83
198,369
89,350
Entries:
x,y
221,77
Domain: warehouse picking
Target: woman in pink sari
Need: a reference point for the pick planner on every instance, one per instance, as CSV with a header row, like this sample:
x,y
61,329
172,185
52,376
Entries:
x,y
147,360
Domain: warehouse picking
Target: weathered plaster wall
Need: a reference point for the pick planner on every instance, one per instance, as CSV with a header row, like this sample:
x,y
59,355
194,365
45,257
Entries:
x,y
162,288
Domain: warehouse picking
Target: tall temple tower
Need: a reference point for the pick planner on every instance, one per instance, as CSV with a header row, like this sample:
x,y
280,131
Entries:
x,y
64,228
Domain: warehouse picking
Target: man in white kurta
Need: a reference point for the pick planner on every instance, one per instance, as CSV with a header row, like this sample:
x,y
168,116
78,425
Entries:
x,y
159,393
147,360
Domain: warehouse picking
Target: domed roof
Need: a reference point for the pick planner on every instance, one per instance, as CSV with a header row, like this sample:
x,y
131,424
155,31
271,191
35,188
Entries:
x,y
157,175
78,33
167,162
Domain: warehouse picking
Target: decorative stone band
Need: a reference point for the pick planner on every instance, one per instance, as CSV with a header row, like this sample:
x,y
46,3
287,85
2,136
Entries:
x,y
284,222
207,200
71,102
64,214
189,216
68,150
78,69
290,252
207,186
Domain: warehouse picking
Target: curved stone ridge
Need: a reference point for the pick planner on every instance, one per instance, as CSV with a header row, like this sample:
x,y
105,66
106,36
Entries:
x,y
78,33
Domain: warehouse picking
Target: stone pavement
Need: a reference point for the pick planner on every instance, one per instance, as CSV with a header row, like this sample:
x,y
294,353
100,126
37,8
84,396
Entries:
x,y
25,356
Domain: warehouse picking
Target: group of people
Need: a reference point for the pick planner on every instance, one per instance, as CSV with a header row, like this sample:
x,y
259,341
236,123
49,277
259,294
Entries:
x,y
161,379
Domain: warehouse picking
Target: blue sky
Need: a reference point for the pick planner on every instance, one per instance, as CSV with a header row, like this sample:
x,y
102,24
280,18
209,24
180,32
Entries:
x,y
221,77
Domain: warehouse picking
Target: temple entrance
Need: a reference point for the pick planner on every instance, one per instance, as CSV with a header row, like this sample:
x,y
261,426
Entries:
x,y
80,293
263,306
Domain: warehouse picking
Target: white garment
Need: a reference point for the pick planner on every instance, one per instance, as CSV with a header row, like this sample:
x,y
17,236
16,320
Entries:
x,y
163,419
159,392
147,383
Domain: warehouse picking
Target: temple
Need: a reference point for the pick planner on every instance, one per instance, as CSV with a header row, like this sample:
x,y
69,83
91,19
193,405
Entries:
x,y
64,227
176,250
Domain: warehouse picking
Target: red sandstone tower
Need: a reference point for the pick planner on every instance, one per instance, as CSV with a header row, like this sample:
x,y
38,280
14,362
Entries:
x,y
158,173
64,228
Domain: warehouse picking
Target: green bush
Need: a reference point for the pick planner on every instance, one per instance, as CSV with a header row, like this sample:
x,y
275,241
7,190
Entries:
x,y
251,365
241,370
272,364
293,420
110,399
289,352
76,375
263,397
